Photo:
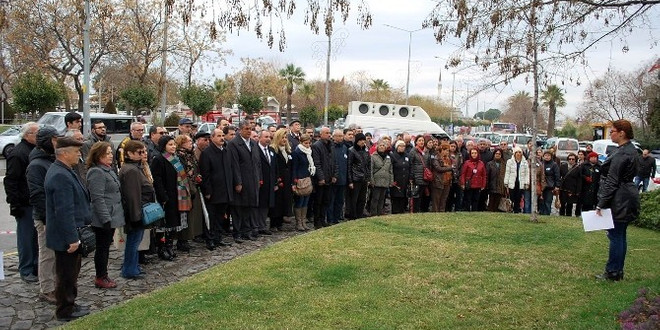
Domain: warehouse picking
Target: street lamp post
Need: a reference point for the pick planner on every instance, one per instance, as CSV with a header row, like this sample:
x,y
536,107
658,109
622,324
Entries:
x,y
410,32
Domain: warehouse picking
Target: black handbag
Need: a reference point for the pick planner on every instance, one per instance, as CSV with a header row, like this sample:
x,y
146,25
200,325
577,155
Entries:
x,y
87,240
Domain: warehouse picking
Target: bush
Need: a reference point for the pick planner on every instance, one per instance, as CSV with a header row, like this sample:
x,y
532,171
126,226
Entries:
x,y
643,314
172,120
649,216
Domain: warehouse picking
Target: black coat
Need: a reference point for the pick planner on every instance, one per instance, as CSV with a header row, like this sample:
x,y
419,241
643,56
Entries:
x,y
215,168
359,165
571,183
325,165
284,194
590,182
401,171
617,190
165,184
246,171
552,175
268,178
40,161
15,181
417,164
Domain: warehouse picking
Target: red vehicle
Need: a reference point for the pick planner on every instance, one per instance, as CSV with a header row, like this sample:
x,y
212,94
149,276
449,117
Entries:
x,y
212,116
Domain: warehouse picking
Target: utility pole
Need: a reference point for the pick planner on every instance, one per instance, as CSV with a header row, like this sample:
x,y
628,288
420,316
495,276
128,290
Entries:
x,y
163,66
410,32
327,83
86,68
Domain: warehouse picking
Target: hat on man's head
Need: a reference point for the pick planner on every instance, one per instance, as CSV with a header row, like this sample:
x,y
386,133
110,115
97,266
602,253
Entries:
x,y
360,136
294,121
592,154
185,121
45,134
65,142
202,134
398,143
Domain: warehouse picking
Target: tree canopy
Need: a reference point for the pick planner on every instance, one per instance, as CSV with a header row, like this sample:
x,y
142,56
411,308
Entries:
x,y
35,92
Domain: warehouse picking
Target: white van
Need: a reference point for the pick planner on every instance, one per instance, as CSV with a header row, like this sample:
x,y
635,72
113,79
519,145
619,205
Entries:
x,y
390,119
605,146
117,126
563,146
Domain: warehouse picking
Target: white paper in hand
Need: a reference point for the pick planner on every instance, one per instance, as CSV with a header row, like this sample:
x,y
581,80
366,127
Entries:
x,y
2,266
591,221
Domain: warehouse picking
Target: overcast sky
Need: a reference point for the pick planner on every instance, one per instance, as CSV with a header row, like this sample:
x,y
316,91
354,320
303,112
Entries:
x,y
382,52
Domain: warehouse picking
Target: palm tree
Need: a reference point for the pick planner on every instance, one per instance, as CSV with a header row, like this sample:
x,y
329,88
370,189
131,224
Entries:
x,y
307,91
293,76
378,85
553,97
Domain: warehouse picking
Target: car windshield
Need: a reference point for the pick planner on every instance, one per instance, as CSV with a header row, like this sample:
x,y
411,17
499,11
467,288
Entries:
x,y
10,132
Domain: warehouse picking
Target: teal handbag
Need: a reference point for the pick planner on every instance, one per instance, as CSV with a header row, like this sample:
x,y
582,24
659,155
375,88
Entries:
x,y
152,212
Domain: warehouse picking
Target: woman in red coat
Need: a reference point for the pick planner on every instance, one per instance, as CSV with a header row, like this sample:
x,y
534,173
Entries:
x,y
473,180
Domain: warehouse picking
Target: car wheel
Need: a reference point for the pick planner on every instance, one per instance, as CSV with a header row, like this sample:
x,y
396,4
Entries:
x,y
7,150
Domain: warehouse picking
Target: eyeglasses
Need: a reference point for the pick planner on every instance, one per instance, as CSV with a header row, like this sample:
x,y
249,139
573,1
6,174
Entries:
x,y
573,159
138,130
161,133
141,152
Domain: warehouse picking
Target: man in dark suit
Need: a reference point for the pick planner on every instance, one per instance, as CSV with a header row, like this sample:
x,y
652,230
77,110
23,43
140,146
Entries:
x,y
246,174
325,175
67,208
215,168
268,183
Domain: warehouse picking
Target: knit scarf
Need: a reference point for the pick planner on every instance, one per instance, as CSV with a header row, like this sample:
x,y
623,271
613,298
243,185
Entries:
x,y
308,152
182,185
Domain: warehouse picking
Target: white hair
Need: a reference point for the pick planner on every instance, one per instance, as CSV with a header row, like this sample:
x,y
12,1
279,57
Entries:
x,y
26,127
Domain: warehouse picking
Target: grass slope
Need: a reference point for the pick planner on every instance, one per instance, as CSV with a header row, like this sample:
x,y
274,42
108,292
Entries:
x,y
455,270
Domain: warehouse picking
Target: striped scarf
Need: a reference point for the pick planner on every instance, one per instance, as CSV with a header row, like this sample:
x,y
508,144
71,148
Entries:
x,y
182,184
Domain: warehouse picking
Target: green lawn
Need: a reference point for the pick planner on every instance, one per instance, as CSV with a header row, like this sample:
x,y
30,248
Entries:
x,y
438,271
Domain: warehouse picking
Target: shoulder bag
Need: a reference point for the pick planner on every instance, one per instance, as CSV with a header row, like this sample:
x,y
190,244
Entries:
x,y
152,212
428,174
304,186
87,239
505,205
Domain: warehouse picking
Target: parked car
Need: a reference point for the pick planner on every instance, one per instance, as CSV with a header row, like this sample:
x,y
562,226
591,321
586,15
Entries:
x,y
9,139
206,127
563,146
117,126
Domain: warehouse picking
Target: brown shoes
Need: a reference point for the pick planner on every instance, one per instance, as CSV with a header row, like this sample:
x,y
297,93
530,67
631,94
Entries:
x,y
104,283
48,297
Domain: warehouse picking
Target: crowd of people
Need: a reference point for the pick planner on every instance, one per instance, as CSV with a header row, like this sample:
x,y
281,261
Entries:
x,y
238,183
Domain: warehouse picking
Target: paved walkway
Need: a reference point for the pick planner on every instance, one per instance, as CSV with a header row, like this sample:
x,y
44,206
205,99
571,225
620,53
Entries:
x,y
21,309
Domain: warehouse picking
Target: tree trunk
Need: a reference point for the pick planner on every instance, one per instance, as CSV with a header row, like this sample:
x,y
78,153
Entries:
x,y
552,114
535,110
288,106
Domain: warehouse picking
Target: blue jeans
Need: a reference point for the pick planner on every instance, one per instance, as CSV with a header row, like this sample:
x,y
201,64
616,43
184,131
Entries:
x,y
27,243
545,204
527,195
130,267
618,247
336,205
645,183
301,201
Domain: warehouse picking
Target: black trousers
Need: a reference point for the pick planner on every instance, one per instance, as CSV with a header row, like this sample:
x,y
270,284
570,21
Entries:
x,y
358,200
471,200
241,217
217,215
67,269
102,253
321,202
399,204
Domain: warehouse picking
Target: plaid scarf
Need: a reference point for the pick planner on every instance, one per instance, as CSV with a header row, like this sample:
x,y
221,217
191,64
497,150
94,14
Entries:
x,y
182,185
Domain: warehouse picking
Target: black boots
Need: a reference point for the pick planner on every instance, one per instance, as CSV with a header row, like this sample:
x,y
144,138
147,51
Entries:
x,y
164,243
610,276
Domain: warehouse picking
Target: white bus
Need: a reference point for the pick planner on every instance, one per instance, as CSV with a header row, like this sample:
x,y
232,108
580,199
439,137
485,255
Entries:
x,y
391,119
